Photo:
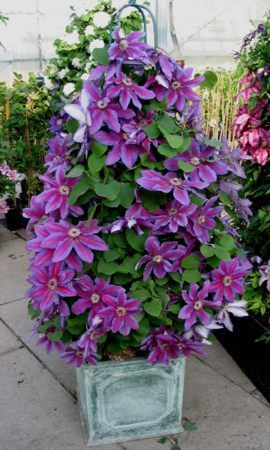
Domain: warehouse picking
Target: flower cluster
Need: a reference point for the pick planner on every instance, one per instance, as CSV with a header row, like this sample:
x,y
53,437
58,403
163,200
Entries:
x,y
129,246
8,179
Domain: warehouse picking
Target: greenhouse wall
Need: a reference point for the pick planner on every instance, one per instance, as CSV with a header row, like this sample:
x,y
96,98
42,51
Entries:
x,y
208,32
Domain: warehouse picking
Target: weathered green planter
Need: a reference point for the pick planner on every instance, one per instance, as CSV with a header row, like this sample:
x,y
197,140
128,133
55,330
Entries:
x,y
130,400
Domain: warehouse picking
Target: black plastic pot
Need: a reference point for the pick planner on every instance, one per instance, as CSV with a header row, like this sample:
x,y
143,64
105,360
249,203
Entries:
x,y
252,356
14,219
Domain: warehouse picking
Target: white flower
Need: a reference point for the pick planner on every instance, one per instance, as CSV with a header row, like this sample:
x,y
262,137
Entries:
x,y
236,308
71,38
85,76
48,84
52,69
89,30
62,74
68,89
101,19
96,43
76,62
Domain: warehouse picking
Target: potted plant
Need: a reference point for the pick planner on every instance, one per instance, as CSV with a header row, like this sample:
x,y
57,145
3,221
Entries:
x,y
136,260
252,129
10,206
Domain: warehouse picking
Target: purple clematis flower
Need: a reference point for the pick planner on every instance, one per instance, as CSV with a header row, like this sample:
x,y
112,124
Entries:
x,y
155,181
265,275
206,167
195,304
49,283
128,91
161,257
202,220
57,156
50,345
56,194
173,217
91,295
136,216
188,346
75,356
128,48
236,308
35,212
119,313
163,346
79,111
125,148
88,341
65,237
228,279
180,88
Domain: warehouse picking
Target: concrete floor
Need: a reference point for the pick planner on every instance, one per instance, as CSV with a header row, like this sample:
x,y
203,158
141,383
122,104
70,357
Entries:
x,y
38,407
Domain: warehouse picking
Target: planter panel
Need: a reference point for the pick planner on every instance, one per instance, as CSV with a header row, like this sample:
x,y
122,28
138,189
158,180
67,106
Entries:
x,y
130,400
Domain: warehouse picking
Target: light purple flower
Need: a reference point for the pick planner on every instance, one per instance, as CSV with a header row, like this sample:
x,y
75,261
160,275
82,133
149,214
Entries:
x,y
65,237
57,155
56,194
49,345
172,217
124,148
161,257
88,341
75,356
195,303
119,313
79,111
35,212
162,344
236,308
265,275
136,216
202,220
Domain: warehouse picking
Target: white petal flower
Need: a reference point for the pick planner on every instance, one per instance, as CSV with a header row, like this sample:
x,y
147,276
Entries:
x,y
76,62
96,43
101,19
68,89
89,30
62,74
71,38
48,84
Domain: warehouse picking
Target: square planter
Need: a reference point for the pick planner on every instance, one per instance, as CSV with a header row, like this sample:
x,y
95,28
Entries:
x,y
121,401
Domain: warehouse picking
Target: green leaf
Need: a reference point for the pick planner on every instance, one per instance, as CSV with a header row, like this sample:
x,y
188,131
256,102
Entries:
x,y
186,167
79,189
127,194
100,55
99,149
175,276
72,126
174,140
136,241
186,143
55,336
222,253
174,309
109,191
108,268
190,426
227,242
191,276
210,79
33,313
190,262
111,255
163,440
153,308
152,131
95,163
141,294
76,171
166,150
212,142
168,125
128,264
207,251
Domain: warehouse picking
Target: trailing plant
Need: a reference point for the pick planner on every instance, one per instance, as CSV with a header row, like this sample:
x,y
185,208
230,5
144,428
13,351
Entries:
x,y
252,128
134,255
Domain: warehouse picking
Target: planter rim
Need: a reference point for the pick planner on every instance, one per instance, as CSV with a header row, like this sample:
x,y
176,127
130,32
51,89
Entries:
x,y
131,362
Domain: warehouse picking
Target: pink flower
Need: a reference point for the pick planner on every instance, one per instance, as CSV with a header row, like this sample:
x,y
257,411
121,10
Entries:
x,y
128,91
4,208
129,47
75,356
65,237
173,217
194,309
202,220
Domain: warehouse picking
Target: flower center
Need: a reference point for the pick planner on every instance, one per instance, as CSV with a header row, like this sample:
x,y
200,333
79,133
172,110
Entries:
x,y
102,104
127,81
74,232
123,44
95,298
92,336
157,258
52,284
175,181
201,219
195,161
172,211
64,190
121,311
197,304
79,354
176,85
143,123
125,136
227,280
